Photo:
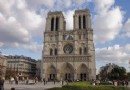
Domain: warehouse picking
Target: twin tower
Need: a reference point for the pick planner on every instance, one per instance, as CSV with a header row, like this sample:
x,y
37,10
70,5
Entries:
x,y
68,54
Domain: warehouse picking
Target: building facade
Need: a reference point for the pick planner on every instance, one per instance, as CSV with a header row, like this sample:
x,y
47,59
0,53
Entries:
x,y
3,64
21,66
68,54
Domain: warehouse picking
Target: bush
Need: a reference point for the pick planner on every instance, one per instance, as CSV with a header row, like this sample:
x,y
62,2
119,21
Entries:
x,y
88,86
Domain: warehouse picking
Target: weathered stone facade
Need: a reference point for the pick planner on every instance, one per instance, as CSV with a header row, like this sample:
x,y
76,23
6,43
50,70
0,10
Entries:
x,y
68,54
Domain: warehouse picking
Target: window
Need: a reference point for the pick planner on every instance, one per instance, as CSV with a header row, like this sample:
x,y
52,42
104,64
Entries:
x,y
52,24
84,22
51,51
80,50
57,23
79,22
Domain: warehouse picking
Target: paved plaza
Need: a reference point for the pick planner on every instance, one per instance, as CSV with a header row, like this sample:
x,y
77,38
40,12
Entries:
x,y
38,86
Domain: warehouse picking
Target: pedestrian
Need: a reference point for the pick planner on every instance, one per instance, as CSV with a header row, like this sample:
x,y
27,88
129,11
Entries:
x,y
1,83
126,83
16,80
67,82
27,80
54,81
62,82
44,81
12,80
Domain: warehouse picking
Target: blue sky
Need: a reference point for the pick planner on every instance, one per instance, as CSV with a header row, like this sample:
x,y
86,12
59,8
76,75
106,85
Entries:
x,y
22,23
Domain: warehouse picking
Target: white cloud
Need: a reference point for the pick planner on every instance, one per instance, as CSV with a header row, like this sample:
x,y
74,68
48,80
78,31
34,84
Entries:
x,y
107,23
19,24
23,20
103,5
127,28
69,19
113,54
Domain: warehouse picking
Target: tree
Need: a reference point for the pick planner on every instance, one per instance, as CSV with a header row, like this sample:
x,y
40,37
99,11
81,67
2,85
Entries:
x,y
112,72
117,73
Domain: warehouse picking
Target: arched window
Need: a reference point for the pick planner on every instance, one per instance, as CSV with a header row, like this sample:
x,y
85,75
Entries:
x,y
56,51
57,23
52,24
80,50
51,51
84,22
79,22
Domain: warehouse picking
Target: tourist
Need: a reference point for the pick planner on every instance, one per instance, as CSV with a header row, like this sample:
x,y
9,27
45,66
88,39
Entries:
x,y
16,80
62,82
1,83
27,80
44,81
54,81
11,80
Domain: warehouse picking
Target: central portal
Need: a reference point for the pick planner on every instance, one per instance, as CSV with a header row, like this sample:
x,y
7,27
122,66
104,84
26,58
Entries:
x,y
67,72
83,76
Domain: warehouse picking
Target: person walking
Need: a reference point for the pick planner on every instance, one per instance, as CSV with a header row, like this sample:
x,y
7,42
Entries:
x,y
1,83
54,81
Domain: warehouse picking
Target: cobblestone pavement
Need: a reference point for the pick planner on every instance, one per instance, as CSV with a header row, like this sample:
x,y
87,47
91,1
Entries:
x,y
38,86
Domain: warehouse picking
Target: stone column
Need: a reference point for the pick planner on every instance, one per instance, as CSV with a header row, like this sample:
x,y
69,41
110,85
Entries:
x,y
81,22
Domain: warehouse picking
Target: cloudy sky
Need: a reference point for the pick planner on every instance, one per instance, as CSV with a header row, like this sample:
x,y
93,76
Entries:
x,y
22,23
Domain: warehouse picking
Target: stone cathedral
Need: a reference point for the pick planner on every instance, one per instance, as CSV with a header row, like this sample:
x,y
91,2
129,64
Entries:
x,y
68,54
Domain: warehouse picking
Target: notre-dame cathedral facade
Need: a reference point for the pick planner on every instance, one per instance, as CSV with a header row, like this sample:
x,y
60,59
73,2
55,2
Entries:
x,y
68,54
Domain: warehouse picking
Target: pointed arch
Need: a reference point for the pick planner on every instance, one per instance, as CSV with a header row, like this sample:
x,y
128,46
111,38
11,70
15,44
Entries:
x,y
82,72
51,72
67,71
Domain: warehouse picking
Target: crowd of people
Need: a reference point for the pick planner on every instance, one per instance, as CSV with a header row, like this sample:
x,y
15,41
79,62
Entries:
x,y
114,82
23,80
16,80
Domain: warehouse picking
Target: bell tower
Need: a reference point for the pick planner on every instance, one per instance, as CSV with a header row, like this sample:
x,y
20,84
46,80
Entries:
x,y
82,19
55,21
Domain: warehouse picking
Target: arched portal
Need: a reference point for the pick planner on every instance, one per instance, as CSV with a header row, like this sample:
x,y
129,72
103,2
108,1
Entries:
x,y
67,72
82,72
51,72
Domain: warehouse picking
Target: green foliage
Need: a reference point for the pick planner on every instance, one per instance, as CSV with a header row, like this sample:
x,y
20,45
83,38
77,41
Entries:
x,y
81,84
128,75
117,73
88,86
